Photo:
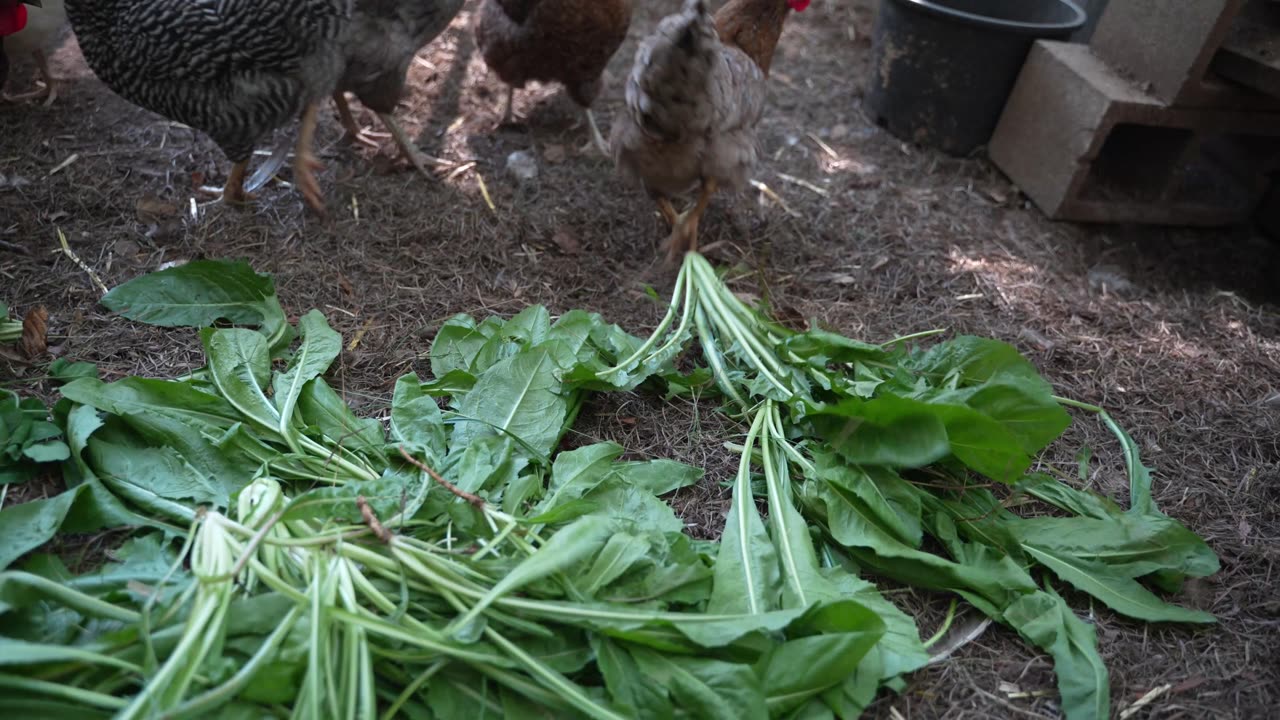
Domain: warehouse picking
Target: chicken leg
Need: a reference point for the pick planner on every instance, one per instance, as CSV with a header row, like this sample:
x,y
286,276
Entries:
x,y
48,93
354,133
596,138
233,191
684,236
668,212
509,115
305,163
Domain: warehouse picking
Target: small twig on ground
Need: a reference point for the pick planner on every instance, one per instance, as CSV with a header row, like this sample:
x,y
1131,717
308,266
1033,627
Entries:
x,y
355,341
66,250
1145,700
372,521
475,500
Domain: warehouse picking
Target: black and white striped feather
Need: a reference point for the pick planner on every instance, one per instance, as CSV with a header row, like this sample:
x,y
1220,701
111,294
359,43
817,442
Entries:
x,y
235,69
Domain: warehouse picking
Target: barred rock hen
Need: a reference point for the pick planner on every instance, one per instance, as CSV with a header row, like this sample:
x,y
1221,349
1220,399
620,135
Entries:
x,y
384,37
234,69
694,97
46,21
564,41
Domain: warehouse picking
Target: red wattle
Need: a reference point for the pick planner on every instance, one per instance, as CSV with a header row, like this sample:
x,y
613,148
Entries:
x,y
12,21
798,5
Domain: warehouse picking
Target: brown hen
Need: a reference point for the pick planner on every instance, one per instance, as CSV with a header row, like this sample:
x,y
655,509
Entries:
x,y
695,95
564,41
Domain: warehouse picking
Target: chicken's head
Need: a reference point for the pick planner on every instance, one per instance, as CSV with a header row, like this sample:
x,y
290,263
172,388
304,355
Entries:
x,y
798,5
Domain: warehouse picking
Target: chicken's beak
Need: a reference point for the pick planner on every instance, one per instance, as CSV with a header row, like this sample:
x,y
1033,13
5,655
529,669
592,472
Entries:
x,y
32,3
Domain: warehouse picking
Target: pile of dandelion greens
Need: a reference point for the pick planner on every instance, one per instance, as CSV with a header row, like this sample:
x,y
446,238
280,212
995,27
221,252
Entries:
x,y
289,558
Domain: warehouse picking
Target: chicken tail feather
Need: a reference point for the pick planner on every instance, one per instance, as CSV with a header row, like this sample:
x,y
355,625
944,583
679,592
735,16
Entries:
x,y
667,90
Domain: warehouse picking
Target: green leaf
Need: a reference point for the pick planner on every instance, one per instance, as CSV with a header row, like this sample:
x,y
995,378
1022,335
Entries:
x,y
320,347
888,431
618,555
98,507
173,415
577,472
1043,619
801,668
486,463
672,570
893,504
47,452
1136,545
1139,475
968,361
632,692
659,476
159,470
632,506
1025,409
322,408
822,348
416,420
456,345
240,363
748,578
27,526
899,650
1120,592
66,371
199,293
1064,497
710,689
570,545
788,530
519,396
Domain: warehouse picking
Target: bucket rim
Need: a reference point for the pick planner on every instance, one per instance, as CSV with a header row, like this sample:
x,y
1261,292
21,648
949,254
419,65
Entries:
x,y
994,22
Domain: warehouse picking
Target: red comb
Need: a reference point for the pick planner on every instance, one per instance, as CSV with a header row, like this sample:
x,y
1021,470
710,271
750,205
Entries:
x,y
798,5
13,20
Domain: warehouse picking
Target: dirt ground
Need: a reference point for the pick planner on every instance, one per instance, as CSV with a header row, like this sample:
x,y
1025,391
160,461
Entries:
x,y
1176,332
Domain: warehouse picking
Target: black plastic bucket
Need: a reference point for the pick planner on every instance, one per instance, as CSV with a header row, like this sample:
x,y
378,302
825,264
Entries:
x,y
943,69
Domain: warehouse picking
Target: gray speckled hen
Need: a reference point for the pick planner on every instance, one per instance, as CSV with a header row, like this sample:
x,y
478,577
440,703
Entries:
x,y
695,95
234,69
384,37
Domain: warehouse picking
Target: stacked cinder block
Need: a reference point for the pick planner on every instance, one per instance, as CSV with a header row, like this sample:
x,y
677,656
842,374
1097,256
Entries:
x,y
1138,125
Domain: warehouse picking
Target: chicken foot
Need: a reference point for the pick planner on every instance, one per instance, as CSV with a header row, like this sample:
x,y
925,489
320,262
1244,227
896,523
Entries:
x,y
684,235
48,93
408,150
355,133
305,163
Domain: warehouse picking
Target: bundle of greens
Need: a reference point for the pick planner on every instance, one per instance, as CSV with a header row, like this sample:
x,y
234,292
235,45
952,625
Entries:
x,y
293,559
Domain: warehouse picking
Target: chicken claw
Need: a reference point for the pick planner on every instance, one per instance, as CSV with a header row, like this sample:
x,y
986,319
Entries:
x,y
407,149
355,134
668,212
684,236
305,163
